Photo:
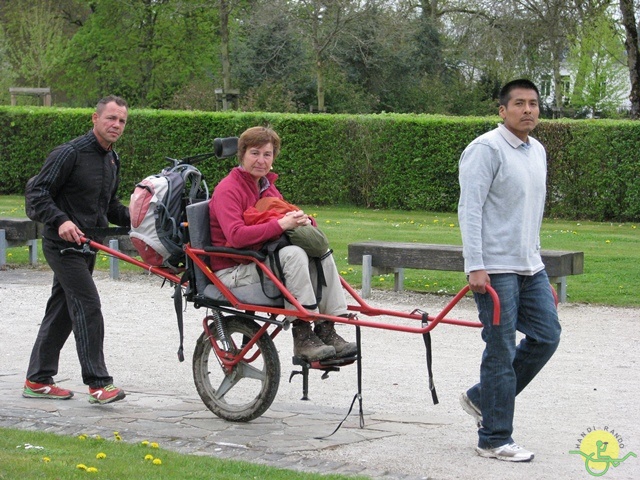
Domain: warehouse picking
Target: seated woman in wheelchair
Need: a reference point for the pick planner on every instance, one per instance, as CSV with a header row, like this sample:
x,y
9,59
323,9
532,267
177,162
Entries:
x,y
247,183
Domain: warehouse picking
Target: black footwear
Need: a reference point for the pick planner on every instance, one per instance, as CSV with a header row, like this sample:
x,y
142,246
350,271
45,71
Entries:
x,y
307,345
326,331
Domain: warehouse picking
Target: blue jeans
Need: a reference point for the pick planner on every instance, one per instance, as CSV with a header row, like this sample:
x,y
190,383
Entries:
x,y
526,305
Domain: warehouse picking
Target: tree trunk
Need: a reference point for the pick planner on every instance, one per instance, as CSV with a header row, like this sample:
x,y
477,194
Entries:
x,y
633,56
224,52
320,90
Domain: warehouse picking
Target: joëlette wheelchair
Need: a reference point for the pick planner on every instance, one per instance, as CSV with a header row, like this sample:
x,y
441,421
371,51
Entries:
x,y
236,366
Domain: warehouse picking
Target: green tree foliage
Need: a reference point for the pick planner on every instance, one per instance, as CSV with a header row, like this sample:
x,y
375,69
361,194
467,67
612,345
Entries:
x,y
597,57
143,50
355,56
37,42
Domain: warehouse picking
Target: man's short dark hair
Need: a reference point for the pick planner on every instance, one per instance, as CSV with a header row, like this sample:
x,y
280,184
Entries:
x,y
505,92
121,102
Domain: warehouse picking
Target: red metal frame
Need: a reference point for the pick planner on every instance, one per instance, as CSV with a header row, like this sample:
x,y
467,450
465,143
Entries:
x,y
297,309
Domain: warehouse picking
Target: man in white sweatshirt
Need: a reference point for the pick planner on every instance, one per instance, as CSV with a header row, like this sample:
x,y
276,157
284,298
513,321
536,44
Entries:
x,y
502,195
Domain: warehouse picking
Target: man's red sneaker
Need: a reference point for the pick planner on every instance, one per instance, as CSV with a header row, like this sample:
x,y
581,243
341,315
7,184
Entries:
x,y
106,394
45,390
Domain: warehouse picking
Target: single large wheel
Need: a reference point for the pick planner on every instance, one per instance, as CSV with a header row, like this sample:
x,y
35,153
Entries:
x,y
247,391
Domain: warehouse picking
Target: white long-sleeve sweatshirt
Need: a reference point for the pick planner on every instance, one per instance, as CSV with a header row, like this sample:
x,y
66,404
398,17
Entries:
x,y
502,195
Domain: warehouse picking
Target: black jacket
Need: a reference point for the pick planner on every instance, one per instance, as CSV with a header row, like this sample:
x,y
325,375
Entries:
x,y
78,182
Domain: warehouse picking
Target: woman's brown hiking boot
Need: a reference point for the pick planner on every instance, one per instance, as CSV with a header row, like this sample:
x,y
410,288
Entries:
x,y
326,331
307,345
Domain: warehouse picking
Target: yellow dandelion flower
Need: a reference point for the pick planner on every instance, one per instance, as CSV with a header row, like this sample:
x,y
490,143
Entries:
x,y
381,279
148,457
452,224
46,459
327,221
81,466
155,445
82,437
92,470
350,269
97,437
314,215
607,241
337,223
117,436
145,442
157,461
101,456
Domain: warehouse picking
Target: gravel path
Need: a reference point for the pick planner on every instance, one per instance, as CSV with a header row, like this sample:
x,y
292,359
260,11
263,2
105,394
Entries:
x,y
591,382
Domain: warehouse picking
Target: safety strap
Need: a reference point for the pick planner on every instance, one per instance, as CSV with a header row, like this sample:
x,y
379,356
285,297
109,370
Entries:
x,y
357,396
427,343
177,302
272,250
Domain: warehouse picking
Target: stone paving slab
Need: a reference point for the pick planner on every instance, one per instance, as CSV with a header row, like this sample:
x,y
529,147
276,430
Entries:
x,y
186,426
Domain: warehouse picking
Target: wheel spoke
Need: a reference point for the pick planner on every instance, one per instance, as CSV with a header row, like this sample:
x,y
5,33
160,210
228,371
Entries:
x,y
223,391
227,384
249,371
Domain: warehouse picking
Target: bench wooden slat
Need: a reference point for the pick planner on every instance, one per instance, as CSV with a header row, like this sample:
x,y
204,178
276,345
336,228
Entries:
x,y
396,256
16,232
426,256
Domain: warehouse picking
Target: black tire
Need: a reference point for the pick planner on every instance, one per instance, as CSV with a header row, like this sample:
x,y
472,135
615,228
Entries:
x,y
249,390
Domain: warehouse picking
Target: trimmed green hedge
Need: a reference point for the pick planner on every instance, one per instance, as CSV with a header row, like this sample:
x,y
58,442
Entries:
x,y
379,161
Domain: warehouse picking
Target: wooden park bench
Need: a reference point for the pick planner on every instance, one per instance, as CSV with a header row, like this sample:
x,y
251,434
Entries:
x,y
16,232
393,257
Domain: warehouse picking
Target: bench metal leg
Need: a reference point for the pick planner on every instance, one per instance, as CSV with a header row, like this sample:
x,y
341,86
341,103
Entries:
x,y
3,248
561,287
114,266
368,271
33,251
398,279
366,276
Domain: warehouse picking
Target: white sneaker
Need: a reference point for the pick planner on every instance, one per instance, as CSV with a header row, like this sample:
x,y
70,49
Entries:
x,y
471,409
510,452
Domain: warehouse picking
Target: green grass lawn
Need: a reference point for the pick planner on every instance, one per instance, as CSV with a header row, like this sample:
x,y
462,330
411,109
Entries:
x,y
612,250
65,457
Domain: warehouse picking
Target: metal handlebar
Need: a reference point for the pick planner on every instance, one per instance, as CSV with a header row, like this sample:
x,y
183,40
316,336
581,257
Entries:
x,y
85,250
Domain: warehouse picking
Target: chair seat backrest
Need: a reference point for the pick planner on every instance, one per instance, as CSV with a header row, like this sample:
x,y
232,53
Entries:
x,y
200,237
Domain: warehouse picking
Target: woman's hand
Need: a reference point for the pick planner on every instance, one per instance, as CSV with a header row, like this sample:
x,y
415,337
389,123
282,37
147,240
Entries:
x,y
293,220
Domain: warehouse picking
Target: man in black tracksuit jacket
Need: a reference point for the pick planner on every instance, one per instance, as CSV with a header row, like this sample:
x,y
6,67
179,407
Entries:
x,y
76,191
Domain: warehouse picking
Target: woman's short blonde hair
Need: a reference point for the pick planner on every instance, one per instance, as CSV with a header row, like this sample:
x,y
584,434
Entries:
x,y
258,137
